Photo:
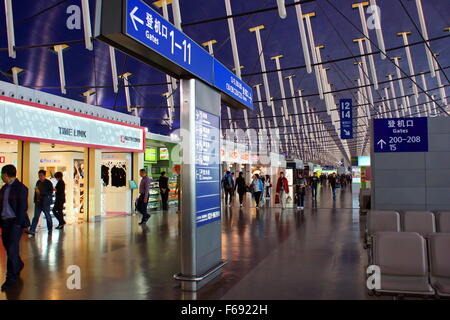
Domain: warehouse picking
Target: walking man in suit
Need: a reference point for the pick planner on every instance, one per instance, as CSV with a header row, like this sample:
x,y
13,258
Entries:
x,y
13,211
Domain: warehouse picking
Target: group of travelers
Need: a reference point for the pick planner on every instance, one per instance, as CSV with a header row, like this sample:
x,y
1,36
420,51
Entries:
x,y
14,218
259,188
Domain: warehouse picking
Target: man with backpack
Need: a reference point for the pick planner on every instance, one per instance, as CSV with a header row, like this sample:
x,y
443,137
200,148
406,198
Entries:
x,y
228,188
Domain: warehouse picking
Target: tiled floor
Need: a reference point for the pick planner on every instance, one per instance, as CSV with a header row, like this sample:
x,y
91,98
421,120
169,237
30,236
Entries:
x,y
272,254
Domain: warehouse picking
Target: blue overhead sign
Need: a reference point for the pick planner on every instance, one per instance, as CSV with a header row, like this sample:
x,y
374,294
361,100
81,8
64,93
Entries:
x,y
346,116
400,135
227,82
146,26
207,167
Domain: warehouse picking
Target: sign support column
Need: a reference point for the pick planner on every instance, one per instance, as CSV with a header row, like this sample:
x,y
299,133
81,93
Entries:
x,y
201,245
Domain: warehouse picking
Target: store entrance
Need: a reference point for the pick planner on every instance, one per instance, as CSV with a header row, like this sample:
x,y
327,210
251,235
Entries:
x,y
69,161
8,154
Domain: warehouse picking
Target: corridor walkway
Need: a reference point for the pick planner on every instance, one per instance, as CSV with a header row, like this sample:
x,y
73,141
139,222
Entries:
x,y
272,254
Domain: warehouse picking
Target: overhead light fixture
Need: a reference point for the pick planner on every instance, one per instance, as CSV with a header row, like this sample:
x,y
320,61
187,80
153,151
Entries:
x,y
10,29
209,44
307,17
125,76
14,73
262,61
361,6
423,27
59,49
87,25
404,35
301,26
282,9
87,94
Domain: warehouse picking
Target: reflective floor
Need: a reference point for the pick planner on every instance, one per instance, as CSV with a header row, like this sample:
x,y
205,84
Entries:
x,y
272,254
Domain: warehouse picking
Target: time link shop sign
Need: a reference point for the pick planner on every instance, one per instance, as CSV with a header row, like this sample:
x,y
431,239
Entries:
x,y
29,121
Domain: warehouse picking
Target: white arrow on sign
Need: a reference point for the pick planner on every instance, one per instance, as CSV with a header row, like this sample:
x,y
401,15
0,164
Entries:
x,y
381,143
347,133
134,18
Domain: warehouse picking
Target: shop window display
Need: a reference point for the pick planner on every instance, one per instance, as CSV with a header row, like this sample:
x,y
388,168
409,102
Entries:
x,y
116,192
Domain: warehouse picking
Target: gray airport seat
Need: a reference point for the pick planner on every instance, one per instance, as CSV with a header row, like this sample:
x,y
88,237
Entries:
x,y
443,221
439,253
402,258
422,222
378,221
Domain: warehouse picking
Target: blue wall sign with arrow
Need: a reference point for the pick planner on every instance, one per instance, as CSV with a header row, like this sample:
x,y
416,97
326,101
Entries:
x,y
400,135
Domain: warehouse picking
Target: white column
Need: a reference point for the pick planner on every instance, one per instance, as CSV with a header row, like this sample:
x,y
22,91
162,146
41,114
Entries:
x,y
28,162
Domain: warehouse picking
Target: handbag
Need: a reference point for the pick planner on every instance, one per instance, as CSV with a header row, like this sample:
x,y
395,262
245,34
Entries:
x,y
277,198
288,199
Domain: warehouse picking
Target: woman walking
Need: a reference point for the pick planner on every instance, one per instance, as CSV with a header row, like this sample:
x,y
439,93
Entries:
x,y
60,199
241,187
267,187
282,189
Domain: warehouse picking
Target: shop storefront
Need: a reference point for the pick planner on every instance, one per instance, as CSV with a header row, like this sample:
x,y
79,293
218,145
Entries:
x,y
235,158
69,140
162,155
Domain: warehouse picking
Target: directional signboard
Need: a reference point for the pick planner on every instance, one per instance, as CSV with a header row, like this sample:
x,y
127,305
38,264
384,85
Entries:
x,y
207,167
346,116
232,86
400,135
146,26
135,28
